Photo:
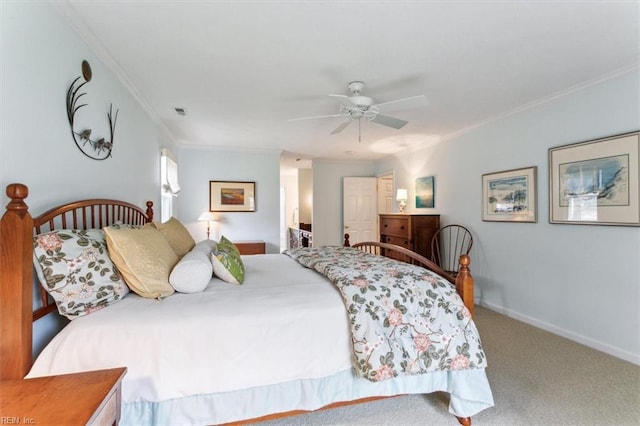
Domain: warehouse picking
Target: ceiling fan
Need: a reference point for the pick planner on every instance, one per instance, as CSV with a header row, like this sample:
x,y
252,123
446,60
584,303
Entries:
x,y
357,106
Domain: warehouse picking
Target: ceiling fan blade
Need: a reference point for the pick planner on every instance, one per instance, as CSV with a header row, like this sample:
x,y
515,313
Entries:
x,y
341,127
385,120
416,101
314,117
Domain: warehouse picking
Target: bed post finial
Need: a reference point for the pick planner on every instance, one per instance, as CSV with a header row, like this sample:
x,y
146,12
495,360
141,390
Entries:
x,y
346,241
464,283
16,285
149,211
17,192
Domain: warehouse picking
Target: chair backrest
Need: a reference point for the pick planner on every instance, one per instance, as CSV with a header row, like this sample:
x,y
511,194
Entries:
x,y
447,244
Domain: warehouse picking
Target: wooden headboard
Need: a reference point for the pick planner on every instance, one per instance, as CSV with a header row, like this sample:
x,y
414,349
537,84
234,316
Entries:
x,y
17,229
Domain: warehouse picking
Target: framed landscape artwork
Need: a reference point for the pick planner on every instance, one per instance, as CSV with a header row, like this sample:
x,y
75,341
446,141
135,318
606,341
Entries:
x,y
425,192
596,182
510,196
225,196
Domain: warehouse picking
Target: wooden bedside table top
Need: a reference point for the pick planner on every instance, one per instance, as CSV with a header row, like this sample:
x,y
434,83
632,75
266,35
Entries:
x,y
68,399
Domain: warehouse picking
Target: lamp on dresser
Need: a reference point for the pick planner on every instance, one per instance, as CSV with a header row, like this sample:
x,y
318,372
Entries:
x,y
208,217
401,197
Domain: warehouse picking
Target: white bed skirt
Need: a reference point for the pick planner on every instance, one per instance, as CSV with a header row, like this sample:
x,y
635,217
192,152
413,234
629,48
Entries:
x,y
469,391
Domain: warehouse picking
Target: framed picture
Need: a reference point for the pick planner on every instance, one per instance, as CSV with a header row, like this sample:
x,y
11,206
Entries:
x,y
227,196
595,182
425,194
510,196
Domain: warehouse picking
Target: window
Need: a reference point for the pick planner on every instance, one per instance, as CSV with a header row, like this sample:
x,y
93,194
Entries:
x,y
169,184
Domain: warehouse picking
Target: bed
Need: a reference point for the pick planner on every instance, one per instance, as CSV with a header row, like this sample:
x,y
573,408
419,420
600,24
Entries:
x,y
279,344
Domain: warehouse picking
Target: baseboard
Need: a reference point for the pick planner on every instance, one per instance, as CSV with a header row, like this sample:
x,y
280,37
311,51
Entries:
x,y
603,347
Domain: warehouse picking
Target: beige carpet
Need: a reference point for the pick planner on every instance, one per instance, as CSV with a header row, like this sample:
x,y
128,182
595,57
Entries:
x,y
537,378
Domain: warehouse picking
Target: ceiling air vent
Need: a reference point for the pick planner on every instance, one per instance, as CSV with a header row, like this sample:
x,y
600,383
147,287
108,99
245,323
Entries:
x,y
180,111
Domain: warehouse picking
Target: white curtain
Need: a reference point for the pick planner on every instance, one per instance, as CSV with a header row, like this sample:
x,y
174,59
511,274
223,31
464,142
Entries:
x,y
169,182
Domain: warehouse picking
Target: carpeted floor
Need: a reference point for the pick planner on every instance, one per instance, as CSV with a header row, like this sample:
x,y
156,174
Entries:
x,y
537,378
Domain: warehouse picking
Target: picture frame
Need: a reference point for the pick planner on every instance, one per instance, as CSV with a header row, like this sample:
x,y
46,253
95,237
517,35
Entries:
x,y
596,182
425,192
232,196
510,195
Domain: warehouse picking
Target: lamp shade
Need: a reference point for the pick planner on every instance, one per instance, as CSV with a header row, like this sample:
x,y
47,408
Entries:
x,y
207,216
401,194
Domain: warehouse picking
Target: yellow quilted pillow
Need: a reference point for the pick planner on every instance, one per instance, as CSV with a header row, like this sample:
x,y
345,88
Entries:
x,y
144,258
178,236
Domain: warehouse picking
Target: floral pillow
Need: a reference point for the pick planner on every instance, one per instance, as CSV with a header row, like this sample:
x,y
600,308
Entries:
x,y
75,269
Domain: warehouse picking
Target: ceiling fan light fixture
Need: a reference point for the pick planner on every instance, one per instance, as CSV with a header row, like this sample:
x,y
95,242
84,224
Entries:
x,y
356,106
355,87
362,102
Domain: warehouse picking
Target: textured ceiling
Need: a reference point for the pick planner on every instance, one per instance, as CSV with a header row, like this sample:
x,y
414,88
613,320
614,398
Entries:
x,y
241,70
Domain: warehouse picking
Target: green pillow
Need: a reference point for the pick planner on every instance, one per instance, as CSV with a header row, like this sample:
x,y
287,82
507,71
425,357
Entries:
x,y
227,264
228,244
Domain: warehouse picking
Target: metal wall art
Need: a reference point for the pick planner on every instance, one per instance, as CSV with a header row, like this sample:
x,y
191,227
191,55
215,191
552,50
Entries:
x,y
97,148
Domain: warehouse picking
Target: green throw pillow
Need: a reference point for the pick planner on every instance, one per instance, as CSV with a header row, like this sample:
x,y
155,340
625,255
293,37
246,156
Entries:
x,y
227,264
228,244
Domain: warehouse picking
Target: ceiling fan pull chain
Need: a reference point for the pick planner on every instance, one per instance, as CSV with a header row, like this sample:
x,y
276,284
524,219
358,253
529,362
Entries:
x,y
359,139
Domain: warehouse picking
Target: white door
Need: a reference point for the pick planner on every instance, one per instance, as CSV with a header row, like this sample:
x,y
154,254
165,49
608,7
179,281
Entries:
x,y
360,215
385,194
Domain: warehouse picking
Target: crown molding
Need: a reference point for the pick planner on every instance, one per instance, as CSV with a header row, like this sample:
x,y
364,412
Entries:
x,y
573,89
69,13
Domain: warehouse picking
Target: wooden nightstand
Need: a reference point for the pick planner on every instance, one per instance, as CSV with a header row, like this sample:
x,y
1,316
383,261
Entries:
x,y
251,247
91,397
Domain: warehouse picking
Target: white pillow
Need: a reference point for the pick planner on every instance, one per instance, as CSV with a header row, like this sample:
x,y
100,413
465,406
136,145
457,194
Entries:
x,y
193,272
206,246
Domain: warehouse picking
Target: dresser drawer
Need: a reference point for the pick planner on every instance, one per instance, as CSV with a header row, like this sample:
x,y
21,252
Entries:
x,y
412,231
399,241
394,226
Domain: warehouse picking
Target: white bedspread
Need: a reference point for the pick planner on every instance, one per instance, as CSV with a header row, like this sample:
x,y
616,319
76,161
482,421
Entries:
x,y
215,341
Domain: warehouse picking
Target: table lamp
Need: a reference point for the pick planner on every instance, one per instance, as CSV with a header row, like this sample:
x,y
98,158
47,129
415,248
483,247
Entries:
x,y
401,197
208,217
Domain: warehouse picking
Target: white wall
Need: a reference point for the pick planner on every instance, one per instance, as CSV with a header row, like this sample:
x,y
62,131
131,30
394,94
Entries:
x,y
41,56
328,227
579,281
290,184
305,195
198,166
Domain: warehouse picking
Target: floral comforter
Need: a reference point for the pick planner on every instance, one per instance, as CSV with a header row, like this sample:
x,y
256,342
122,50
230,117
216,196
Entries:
x,y
404,319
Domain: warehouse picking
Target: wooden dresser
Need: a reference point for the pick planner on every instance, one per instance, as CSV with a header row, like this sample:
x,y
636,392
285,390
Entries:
x,y
412,231
251,247
92,397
